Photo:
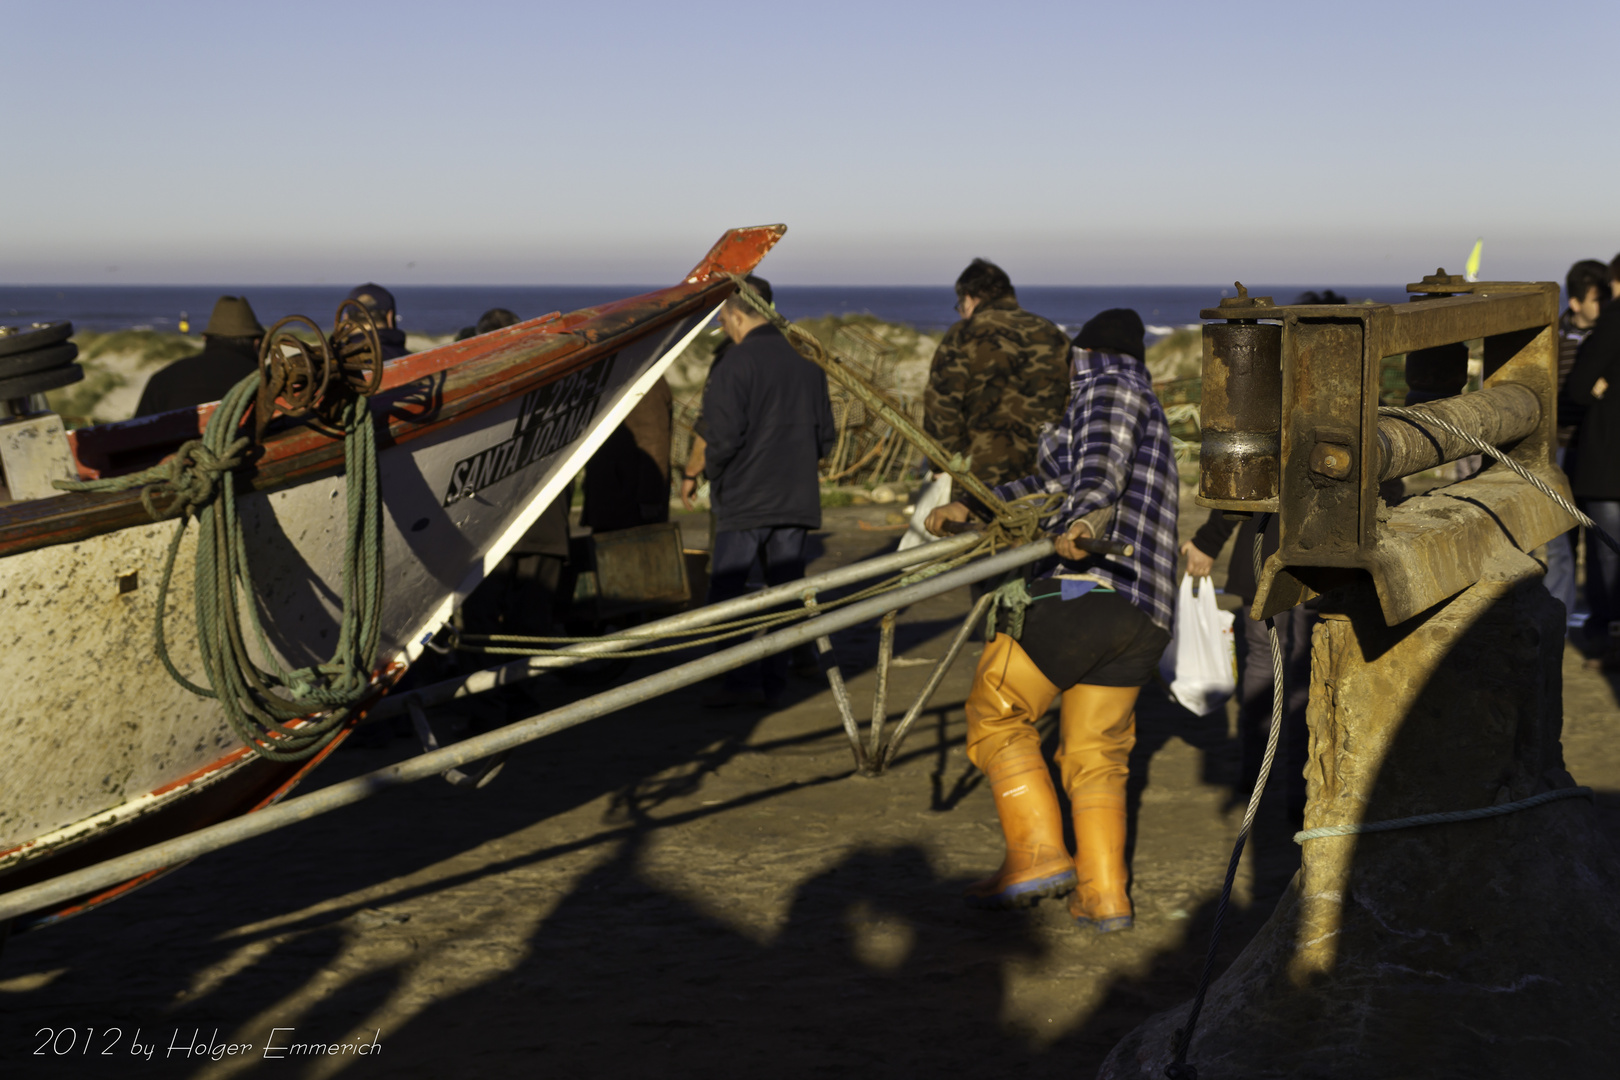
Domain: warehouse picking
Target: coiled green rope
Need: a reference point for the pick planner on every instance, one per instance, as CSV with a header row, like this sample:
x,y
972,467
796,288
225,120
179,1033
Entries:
x,y
282,715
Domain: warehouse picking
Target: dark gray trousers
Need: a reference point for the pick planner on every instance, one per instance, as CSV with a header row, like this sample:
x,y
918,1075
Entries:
x,y
1255,700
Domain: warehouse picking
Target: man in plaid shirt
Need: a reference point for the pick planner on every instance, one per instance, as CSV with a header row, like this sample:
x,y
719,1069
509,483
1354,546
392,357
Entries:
x,y
1092,634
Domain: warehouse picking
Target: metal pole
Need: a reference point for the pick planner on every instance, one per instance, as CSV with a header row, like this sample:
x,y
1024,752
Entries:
x,y
840,693
1499,414
530,666
169,853
883,761
880,695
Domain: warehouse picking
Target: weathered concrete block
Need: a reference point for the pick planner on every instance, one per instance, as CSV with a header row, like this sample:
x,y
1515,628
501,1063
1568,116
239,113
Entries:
x,y
1481,949
34,452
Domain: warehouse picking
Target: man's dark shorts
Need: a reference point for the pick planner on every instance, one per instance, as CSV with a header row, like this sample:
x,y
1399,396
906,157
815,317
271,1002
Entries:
x,y
1099,639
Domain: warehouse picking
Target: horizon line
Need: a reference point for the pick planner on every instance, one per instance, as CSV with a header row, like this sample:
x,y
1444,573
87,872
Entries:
x,y
653,285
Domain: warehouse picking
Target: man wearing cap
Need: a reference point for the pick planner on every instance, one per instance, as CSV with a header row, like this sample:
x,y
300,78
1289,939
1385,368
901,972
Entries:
x,y
1089,635
496,318
768,422
230,354
998,375
380,302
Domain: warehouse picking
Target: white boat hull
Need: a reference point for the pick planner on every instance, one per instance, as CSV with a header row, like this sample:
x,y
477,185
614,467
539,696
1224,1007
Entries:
x,y
107,736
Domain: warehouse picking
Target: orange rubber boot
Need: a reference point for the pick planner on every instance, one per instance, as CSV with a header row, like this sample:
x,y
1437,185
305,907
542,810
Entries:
x,y
1098,732
1100,898
1009,693
1037,864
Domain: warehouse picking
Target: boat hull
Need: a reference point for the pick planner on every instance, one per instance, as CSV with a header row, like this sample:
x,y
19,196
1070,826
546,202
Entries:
x,y
118,753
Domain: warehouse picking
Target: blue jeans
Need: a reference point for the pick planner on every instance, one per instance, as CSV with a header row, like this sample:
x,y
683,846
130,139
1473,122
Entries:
x,y
1560,578
1602,568
734,553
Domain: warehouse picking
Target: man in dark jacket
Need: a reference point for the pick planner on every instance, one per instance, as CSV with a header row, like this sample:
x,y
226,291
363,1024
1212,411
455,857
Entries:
x,y
1593,388
230,354
380,302
768,421
997,377
1588,289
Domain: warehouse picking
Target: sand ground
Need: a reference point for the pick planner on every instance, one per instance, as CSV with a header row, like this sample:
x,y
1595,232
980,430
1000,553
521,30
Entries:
x,y
676,891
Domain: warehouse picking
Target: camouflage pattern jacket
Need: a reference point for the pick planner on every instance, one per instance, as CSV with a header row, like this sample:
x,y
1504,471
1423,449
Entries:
x,y
995,381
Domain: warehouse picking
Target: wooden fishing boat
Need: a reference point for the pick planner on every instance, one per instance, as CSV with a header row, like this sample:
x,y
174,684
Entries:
x,y
104,752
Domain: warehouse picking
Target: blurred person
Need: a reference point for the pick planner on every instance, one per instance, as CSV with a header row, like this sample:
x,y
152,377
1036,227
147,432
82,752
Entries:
x,y
627,479
519,594
1595,475
692,471
768,422
1588,290
230,354
1091,637
999,374
380,303
496,318
1294,628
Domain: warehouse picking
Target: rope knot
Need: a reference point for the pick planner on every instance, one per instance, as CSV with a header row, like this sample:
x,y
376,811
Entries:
x,y
190,478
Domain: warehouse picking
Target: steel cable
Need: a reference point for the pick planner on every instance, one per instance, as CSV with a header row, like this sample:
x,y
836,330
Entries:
x,y
1178,1069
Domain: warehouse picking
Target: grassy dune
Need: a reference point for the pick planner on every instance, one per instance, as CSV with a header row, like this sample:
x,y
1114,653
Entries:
x,y
116,367
117,364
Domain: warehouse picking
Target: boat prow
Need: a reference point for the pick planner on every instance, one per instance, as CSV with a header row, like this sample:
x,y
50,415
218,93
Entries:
x,y
107,752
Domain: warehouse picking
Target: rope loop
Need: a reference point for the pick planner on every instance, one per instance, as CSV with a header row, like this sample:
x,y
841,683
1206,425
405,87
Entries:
x,y
282,715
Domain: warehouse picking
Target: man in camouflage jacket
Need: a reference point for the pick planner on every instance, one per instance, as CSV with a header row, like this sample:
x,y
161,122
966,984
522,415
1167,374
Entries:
x,y
998,376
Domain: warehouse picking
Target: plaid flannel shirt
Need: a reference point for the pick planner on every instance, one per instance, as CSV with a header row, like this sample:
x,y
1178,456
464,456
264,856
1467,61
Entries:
x,y
1113,446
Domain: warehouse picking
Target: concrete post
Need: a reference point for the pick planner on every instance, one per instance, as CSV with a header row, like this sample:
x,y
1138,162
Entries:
x,y
1480,949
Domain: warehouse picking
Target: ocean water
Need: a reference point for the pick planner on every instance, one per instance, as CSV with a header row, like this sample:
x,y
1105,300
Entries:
x,y
435,309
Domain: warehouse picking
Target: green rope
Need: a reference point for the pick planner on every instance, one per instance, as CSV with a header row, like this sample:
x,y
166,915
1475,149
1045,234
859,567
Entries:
x,y
282,715
1444,817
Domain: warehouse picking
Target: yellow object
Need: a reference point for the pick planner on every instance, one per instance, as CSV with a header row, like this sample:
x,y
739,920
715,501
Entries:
x,y
1471,271
1097,729
185,327
1009,694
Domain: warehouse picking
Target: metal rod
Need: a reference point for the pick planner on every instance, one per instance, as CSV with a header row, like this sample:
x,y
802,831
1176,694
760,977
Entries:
x,y
1498,414
840,692
934,680
880,696
530,666
302,808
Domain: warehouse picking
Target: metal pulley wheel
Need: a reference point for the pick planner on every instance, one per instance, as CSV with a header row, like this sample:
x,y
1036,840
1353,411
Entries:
x,y
27,363
16,339
40,381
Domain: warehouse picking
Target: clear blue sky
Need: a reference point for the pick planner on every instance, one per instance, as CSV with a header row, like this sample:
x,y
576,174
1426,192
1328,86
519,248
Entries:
x,y
612,142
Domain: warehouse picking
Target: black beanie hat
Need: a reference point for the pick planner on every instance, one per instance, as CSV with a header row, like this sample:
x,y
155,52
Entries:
x,y
1117,330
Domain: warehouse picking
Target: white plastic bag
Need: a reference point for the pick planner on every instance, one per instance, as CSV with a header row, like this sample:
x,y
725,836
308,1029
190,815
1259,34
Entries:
x,y
1200,663
935,495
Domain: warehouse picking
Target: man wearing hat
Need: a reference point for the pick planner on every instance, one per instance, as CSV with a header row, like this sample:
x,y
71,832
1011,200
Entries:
x,y
230,354
380,302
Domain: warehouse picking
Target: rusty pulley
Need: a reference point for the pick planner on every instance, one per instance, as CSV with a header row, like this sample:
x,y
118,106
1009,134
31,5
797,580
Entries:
x,y
305,373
